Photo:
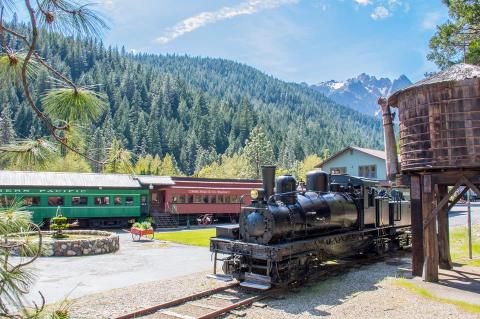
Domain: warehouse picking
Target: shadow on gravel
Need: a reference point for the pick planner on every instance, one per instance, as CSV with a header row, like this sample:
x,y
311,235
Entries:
x,y
317,299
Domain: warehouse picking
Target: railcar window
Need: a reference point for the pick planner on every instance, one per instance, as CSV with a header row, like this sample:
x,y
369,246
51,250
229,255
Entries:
x,y
205,199
6,200
221,199
129,201
213,199
227,199
31,201
189,199
102,201
174,199
117,201
234,199
56,201
143,200
181,199
79,201
197,199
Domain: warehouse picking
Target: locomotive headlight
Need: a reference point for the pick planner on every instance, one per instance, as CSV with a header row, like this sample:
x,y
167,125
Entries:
x,y
254,193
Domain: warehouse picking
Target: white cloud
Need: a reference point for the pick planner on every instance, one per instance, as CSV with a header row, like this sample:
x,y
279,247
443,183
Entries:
x,y
208,17
431,20
363,2
379,13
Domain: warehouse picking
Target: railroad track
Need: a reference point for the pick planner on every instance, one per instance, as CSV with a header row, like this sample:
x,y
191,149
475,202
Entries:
x,y
204,305
220,301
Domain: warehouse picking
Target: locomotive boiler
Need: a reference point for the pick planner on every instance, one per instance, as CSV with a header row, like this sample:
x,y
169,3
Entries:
x,y
291,229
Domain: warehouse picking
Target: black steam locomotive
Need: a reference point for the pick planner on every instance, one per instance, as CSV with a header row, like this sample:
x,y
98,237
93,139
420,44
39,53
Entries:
x,y
288,234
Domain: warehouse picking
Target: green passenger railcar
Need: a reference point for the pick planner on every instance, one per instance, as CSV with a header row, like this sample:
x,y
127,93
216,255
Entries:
x,y
92,207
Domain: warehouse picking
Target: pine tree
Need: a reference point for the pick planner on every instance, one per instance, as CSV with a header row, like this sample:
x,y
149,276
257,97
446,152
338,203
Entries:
x,y
96,150
7,133
258,151
169,167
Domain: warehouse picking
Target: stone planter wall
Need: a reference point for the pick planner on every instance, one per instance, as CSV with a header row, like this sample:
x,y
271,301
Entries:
x,y
104,243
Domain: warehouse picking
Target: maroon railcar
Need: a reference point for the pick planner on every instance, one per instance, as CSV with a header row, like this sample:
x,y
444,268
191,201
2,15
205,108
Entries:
x,y
200,200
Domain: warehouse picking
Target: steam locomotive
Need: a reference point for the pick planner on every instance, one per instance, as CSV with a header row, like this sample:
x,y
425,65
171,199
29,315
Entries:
x,y
290,230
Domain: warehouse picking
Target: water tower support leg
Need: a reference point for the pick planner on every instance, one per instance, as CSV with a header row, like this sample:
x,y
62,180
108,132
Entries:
x,y
417,226
445,260
430,243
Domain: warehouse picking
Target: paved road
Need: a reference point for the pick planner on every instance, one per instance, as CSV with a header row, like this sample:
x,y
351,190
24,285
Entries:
x,y
458,214
135,262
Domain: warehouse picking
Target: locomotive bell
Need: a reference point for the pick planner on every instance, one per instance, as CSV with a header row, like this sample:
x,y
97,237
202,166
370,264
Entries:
x,y
286,186
317,181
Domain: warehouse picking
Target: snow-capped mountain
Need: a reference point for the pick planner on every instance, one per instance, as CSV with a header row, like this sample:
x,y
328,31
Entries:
x,y
361,93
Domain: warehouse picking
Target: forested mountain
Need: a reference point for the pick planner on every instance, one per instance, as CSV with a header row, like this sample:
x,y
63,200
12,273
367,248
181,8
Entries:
x,y
194,109
362,92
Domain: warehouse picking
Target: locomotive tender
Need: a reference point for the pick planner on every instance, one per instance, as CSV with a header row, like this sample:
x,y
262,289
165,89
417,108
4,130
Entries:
x,y
290,231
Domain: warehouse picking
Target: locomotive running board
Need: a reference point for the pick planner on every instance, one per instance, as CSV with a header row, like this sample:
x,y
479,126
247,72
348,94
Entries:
x,y
256,281
220,277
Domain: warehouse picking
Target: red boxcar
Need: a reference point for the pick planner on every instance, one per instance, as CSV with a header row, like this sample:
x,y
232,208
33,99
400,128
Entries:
x,y
200,200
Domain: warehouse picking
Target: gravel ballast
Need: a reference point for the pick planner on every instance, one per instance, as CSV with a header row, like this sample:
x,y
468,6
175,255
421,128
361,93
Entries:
x,y
367,292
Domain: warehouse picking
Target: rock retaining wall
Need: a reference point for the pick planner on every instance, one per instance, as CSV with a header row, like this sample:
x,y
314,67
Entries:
x,y
103,242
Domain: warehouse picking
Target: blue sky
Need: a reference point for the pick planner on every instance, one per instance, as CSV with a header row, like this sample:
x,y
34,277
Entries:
x,y
294,40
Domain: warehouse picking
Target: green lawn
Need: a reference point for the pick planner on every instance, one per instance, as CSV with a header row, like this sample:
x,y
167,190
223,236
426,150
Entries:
x,y
200,237
459,245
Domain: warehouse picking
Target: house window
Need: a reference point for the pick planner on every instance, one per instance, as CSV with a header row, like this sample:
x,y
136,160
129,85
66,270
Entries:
x,y
56,201
338,170
79,201
102,201
31,201
369,171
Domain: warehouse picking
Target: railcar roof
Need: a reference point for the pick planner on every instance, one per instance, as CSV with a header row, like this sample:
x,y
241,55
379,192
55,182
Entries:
x,y
63,179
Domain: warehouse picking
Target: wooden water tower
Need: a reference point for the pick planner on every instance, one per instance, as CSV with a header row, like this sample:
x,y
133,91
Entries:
x,y
439,141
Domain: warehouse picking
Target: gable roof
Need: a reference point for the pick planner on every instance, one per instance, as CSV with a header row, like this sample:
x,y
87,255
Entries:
x,y
375,153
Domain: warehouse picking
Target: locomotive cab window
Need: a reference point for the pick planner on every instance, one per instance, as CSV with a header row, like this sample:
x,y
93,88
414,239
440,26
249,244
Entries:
x,y
56,201
31,201
129,200
102,201
79,201
117,201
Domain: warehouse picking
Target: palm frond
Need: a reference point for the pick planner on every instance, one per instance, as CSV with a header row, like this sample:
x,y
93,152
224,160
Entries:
x,y
28,154
71,17
11,67
70,105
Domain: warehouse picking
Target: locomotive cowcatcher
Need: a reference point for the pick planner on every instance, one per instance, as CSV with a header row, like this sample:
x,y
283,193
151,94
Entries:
x,y
290,231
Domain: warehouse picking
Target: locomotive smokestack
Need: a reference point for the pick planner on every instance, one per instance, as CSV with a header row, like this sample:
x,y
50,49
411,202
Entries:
x,y
268,176
389,136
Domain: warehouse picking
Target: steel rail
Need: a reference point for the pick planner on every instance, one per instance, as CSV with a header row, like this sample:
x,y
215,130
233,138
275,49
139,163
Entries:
x,y
175,302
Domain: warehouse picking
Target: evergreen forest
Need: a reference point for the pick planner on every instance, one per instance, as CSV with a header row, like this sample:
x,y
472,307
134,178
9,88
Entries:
x,y
199,116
